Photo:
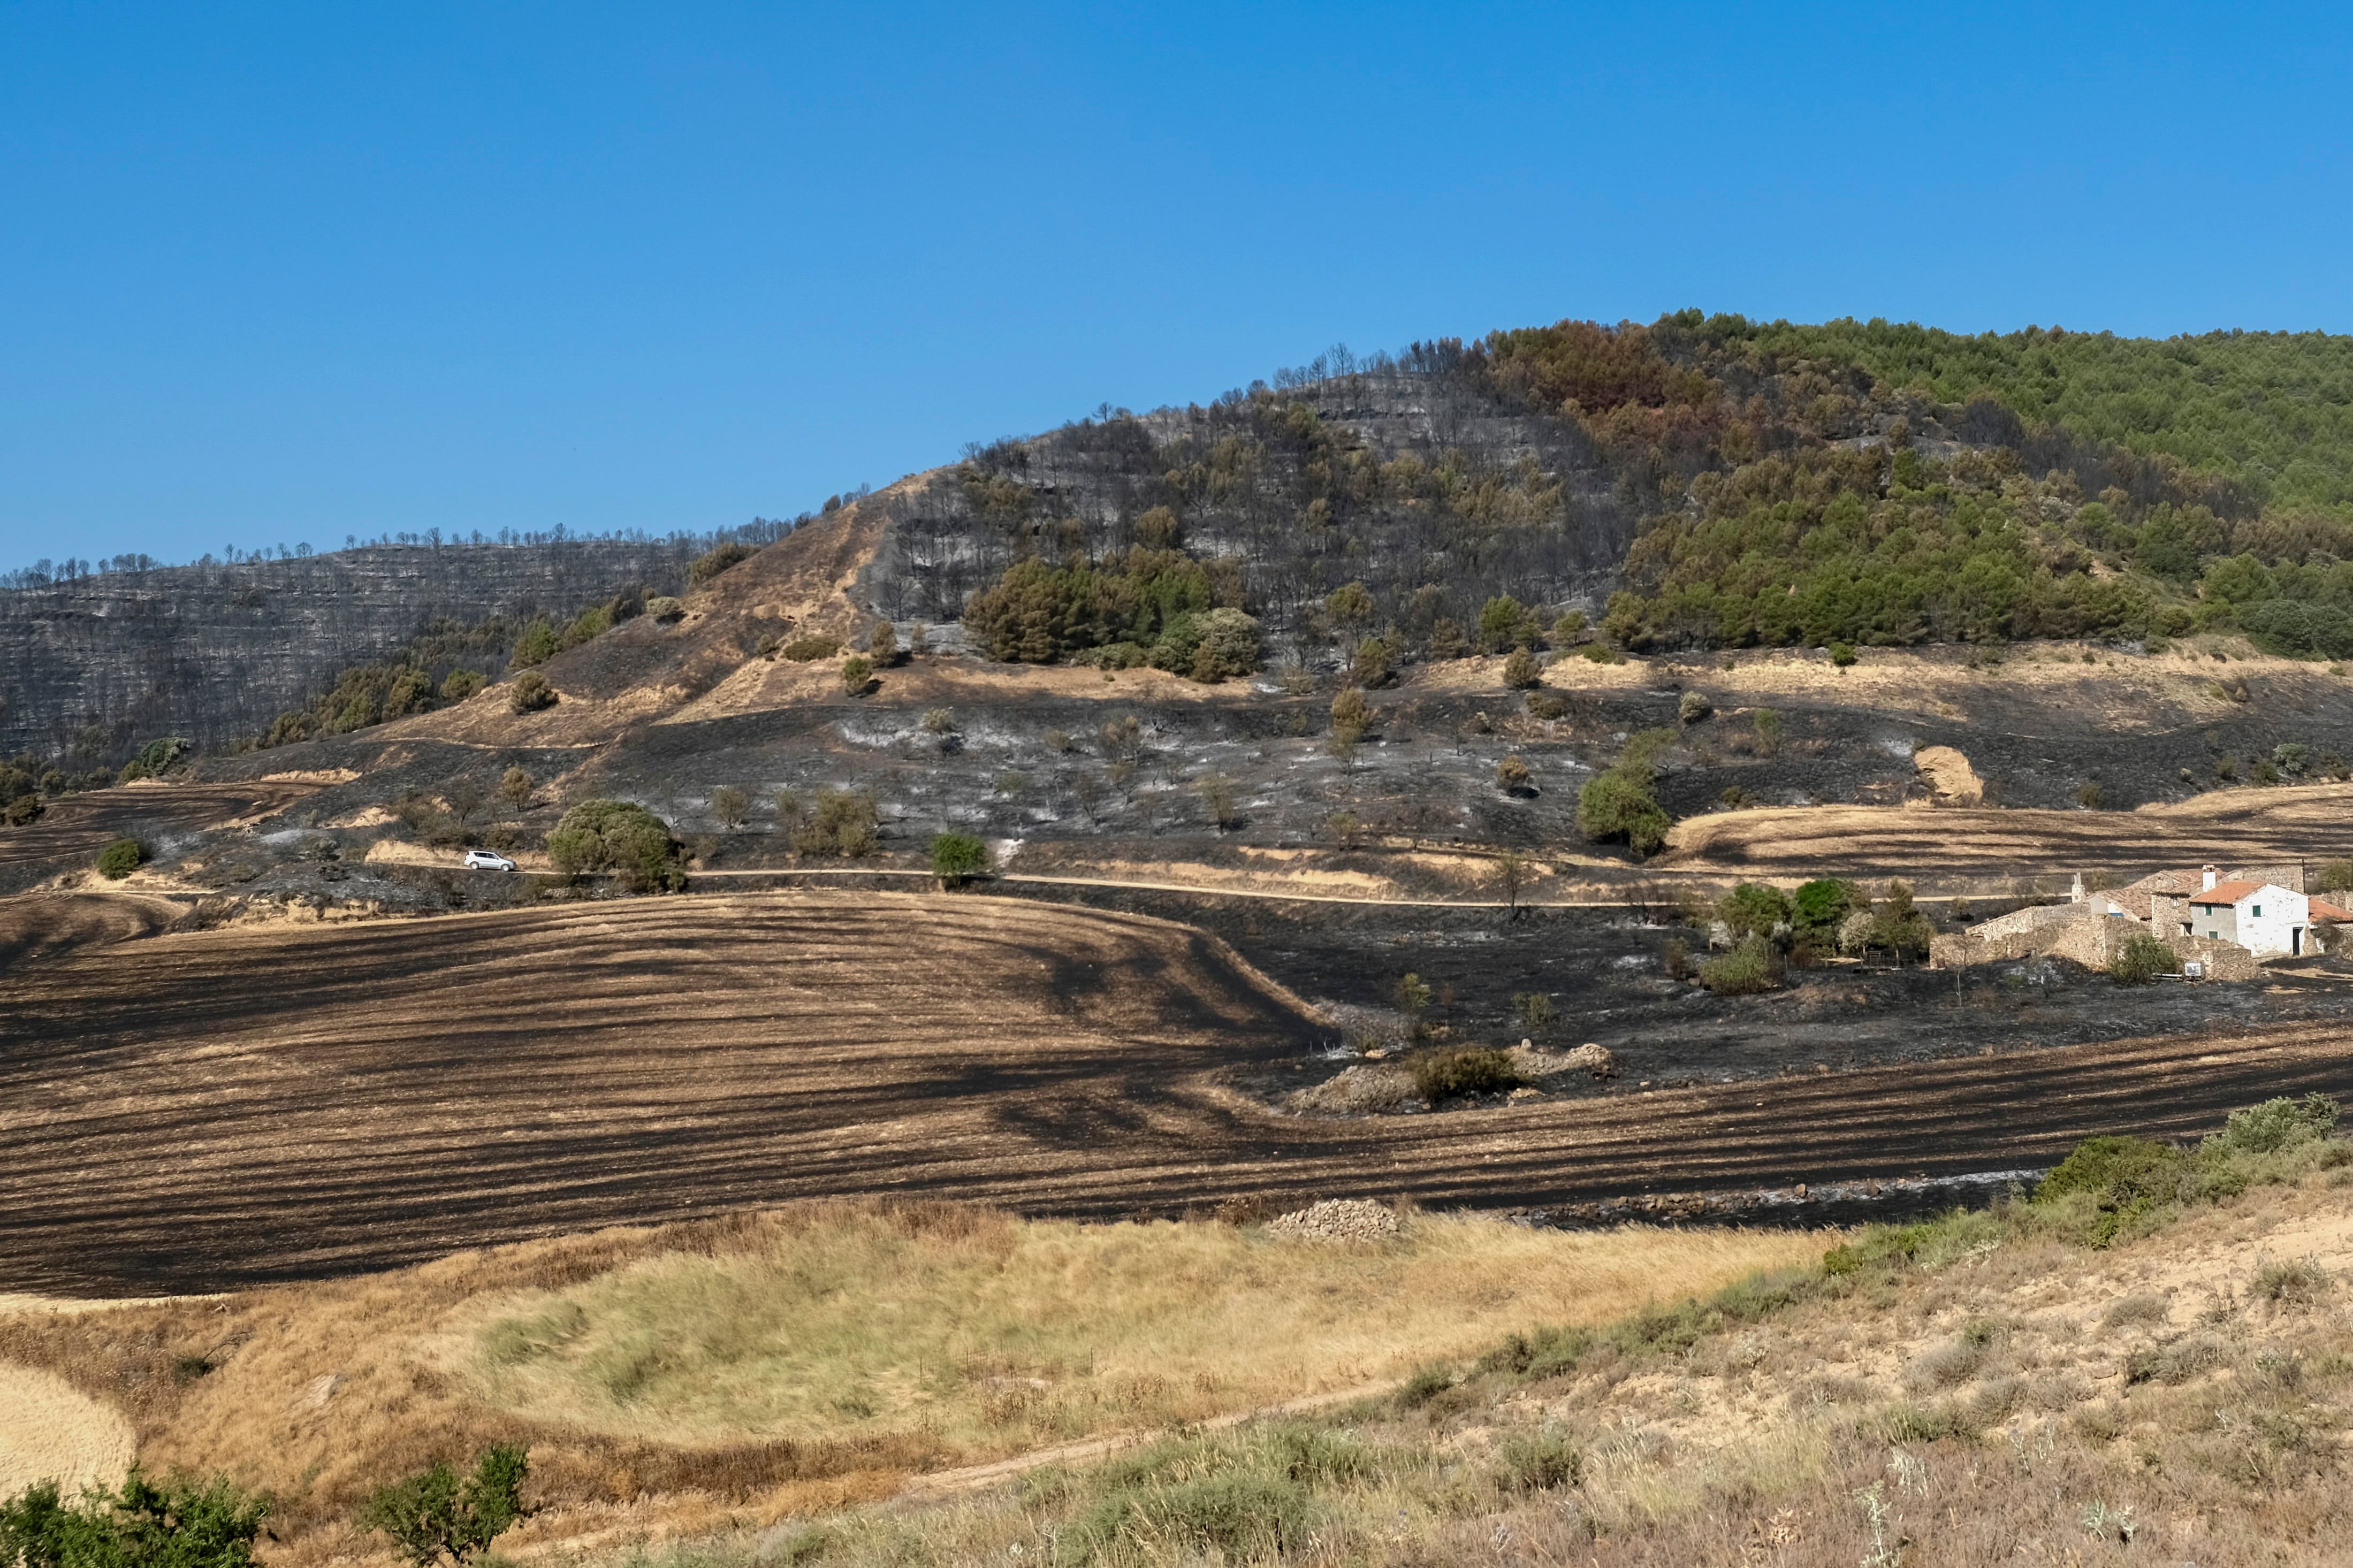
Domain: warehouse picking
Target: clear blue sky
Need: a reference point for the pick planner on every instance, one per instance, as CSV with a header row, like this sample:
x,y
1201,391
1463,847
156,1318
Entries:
x,y
277,273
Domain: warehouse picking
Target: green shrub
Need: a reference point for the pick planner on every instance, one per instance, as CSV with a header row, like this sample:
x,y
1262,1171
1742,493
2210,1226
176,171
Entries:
x,y
1534,1009
1693,707
179,1524
1239,1515
1755,909
25,810
1753,967
530,693
2275,1125
1842,654
120,859
1618,804
620,836
536,645
2141,960
810,649
957,857
437,1514
2125,1183
711,563
1546,706
1463,1069
1539,1461
1819,907
158,756
856,671
844,822
1512,775
460,684
1521,670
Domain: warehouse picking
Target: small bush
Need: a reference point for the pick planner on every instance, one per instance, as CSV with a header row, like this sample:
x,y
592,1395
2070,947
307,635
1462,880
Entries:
x,y
460,684
1754,966
1693,707
1235,1516
1548,706
2275,1125
2141,960
1521,670
1539,1462
844,822
1465,1069
2290,1282
664,609
1842,654
882,645
1512,775
857,671
437,1515
711,564
808,650
530,693
1534,1009
120,859
728,805
957,857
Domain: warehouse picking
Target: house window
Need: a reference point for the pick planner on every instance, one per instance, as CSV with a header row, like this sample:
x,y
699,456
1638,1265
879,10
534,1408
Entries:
x,y
2216,935
2259,912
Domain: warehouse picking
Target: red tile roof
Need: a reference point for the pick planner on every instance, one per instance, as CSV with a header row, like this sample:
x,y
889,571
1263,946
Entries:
x,y
2322,910
2225,892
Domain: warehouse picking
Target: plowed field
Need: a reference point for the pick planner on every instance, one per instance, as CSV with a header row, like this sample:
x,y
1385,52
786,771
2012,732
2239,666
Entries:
x,y
214,1109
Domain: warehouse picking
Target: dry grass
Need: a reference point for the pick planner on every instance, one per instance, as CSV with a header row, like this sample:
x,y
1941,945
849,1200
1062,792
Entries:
x,y
2001,1395
1009,1335
803,1360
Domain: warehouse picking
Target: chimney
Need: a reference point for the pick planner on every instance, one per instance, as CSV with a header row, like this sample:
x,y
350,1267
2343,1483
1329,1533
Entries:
x,y
2210,880
2075,893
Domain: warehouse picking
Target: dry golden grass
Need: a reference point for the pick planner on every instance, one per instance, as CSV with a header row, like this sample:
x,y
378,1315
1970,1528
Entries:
x,y
2000,1395
1010,1335
772,1364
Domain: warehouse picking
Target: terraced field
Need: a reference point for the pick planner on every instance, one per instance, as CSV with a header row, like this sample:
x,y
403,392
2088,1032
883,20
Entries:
x,y
239,1107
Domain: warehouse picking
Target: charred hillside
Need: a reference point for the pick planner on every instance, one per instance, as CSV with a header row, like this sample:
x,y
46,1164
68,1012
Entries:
x,y
92,667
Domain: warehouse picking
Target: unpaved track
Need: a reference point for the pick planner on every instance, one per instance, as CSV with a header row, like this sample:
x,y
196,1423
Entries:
x,y
216,1110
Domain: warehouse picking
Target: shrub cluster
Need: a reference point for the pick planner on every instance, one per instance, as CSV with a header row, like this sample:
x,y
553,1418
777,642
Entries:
x,y
120,859
618,837
179,1524
1462,1069
1146,605
1621,802
838,822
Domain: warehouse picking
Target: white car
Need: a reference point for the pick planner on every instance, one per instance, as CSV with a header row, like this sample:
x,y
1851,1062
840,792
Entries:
x,y
486,860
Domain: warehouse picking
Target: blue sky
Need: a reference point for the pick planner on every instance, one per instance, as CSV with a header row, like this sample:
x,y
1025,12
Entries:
x,y
280,273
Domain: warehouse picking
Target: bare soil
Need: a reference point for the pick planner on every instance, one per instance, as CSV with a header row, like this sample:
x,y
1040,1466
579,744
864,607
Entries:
x,y
278,1104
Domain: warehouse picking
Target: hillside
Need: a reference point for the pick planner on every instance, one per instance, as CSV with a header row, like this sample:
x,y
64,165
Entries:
x,y
93,665
2141,1355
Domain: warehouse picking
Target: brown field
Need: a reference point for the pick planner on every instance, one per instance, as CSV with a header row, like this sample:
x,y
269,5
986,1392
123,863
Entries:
x,y
2310,823
242,1107
77,826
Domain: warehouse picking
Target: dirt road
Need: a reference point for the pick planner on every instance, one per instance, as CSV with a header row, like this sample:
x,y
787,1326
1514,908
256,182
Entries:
x,y
239,1107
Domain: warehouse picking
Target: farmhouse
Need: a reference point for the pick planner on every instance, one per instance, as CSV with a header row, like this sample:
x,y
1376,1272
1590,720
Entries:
x,y
2225,920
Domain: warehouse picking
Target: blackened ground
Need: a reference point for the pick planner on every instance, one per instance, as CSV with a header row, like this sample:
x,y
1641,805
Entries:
x,y
211,1110
1602,973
